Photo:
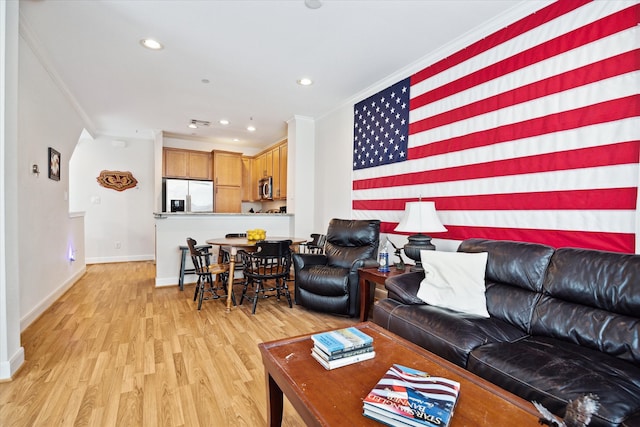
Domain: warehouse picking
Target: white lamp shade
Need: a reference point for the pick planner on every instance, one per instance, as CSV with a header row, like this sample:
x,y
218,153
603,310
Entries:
x,y
420,217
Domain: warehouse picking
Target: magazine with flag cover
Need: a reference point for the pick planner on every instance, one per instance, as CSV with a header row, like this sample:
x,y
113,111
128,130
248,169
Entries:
x,y
412,397
341,340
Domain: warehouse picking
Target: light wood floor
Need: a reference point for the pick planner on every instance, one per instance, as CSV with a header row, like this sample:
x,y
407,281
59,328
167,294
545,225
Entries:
x,y
116,351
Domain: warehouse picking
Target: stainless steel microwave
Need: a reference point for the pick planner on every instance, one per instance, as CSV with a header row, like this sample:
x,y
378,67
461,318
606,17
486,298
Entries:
x,y
265,188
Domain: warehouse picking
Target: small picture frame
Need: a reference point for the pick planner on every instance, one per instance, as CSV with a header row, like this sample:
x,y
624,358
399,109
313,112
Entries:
x,y
54,164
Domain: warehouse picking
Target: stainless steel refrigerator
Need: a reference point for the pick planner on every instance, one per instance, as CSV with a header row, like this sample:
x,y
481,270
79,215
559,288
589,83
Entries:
x,y
196,196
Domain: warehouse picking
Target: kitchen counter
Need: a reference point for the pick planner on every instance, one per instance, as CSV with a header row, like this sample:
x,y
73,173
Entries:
x,y
160,215
173,228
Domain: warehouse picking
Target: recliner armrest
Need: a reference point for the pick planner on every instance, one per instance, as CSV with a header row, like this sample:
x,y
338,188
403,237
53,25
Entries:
x,y
403,288
304,260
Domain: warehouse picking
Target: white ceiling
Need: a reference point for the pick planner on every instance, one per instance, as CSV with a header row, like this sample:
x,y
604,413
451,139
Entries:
x,y
252,52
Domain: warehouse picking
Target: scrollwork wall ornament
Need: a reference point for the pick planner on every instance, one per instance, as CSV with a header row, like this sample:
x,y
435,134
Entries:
x,y
117,180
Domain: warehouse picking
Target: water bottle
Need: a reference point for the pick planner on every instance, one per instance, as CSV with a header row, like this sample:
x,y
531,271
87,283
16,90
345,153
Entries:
x,y
383,259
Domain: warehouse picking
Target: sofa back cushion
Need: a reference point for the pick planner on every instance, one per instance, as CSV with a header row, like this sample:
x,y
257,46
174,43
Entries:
x,y
514,275
592,298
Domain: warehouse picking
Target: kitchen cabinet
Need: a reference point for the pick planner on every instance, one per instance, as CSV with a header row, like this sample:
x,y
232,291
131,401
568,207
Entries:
x,y
273,163
227,181
249,186
283,150
187,164
227,199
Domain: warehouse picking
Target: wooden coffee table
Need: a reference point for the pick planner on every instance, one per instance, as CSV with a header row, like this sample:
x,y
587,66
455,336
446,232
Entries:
x,y
334,398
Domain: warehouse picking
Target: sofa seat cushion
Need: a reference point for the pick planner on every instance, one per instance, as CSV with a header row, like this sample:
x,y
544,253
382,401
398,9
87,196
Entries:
x,y
447,333
554,372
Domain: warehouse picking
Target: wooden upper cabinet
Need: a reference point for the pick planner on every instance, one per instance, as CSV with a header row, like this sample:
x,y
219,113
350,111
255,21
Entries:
x,y
199,165
188,164
249,192
275,167
268,163
283,171
227,168
227,181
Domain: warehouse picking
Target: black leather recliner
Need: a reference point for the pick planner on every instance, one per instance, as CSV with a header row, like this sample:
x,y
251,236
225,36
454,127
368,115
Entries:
x,y
329,282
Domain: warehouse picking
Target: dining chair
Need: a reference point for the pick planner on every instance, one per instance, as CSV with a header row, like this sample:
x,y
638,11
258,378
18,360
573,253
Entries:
x,y
313,246
266,270
226,257
205,270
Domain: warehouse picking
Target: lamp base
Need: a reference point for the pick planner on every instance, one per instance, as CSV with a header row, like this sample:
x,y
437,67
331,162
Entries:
x,y
417,243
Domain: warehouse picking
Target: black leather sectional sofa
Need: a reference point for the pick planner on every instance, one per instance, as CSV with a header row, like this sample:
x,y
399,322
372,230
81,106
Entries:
x,y
563,323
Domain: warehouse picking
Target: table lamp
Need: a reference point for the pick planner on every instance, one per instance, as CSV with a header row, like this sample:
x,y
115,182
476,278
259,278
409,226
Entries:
x,y
419,217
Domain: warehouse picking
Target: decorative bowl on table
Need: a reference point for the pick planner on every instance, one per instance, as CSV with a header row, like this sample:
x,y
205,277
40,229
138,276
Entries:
x,y
256,234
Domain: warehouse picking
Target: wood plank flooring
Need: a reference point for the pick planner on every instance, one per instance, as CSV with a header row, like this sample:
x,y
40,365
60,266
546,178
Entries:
x,y
117,351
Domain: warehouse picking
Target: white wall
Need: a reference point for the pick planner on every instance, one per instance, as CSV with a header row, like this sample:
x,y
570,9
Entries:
x,y
46,231
11,352
119,225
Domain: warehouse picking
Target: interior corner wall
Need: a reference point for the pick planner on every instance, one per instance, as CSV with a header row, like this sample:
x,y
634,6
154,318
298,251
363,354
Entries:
x,y
46,232
119,225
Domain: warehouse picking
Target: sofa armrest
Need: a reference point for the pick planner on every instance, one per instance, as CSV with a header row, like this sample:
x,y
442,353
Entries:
x,y
363,263
403,288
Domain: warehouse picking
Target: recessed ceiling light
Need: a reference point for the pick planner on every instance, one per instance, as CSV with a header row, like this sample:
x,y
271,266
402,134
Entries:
x,y
224,122
313,4
251,128
151,44
193,125
235,140
305,81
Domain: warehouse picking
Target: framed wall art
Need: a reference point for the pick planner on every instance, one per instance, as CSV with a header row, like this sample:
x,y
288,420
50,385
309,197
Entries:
x,y
54,164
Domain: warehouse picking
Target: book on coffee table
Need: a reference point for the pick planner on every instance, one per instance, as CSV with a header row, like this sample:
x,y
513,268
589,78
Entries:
x,y
338,363
341,340
410,397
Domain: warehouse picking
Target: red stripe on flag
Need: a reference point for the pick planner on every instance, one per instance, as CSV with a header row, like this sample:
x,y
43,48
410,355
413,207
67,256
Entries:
x,y
607,111
595,199
522,26
607,155
612,24
610,67
615,242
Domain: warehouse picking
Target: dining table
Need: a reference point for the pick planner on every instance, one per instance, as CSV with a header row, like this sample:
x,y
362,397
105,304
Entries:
x,y
233,244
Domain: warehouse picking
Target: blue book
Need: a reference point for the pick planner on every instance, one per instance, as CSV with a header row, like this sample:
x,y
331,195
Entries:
x,y
341,340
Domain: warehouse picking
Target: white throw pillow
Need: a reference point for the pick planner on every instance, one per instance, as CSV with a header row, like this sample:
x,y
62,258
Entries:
x,y
454,280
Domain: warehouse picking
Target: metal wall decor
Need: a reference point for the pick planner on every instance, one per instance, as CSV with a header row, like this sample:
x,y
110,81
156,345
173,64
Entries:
x,y
117,180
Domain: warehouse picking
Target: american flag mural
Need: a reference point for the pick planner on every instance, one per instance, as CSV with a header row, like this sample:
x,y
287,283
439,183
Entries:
x,y
530,134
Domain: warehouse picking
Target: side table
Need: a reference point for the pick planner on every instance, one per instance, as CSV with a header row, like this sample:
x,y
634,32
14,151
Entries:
x,y
369,276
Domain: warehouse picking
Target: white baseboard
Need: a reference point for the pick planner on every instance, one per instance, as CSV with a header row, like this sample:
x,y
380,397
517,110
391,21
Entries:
x,y
10,367
173,281
129,258
28,318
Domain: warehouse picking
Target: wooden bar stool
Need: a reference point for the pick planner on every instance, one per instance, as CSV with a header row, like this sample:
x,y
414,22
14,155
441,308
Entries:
x,y
183,261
